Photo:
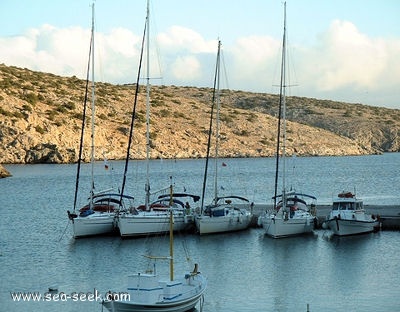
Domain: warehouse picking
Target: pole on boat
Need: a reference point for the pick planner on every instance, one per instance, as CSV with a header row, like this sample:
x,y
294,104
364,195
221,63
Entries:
x,y
147,185
133,113
93,116
217,127
171,235
281,121
78,170
210,129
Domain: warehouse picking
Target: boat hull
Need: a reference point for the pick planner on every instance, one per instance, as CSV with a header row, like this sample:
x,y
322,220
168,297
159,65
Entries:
x,y
209,225
343,227
348,216
181,306
94,224
146,294
277,227
150,223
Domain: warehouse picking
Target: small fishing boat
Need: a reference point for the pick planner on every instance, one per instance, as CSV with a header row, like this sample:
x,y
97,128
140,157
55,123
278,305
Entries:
x,y
149,292
348,216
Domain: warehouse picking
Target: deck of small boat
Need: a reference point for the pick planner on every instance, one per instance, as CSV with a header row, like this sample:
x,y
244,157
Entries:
x,y
389,214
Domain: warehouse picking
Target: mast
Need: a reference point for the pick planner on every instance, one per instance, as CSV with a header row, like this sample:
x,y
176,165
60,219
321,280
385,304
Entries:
x,y
171,236
78,170
210,131
281,118
93,115
133,113
217,100
147,185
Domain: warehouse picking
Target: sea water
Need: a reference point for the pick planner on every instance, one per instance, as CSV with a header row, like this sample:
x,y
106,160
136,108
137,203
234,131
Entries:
x,y
246,270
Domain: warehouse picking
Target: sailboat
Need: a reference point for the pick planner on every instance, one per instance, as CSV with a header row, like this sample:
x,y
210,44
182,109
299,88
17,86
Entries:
x,y
148,292
98,216
226,213
291,214
151,217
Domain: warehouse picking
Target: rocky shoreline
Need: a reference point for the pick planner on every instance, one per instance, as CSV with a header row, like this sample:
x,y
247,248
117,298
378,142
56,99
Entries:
x,y
4,173
41,122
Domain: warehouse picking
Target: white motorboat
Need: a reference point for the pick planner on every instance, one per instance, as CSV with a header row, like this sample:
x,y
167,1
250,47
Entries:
x,y
348,216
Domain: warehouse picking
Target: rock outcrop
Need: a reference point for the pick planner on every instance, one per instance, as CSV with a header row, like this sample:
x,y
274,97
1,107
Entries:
x,y
4,173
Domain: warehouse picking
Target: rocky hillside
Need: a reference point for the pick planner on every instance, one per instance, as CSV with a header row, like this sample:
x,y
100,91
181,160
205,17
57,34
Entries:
x,y
41,118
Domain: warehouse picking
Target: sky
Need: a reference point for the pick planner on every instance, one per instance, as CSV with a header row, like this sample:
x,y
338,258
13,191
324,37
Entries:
x,y
341,50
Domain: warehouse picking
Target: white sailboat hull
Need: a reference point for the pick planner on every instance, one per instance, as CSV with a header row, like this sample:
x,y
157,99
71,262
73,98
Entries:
x,y
147,294
150,223
278,227
351,227
94,224
207,225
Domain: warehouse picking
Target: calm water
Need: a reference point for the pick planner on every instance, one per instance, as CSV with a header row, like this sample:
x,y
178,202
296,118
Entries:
x,y
246,271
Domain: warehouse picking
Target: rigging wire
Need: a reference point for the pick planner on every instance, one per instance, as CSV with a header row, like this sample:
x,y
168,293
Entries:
x,y
83,125
210,130
133,114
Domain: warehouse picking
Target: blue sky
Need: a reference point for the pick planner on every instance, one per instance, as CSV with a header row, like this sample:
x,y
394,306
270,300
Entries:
x,y
345,50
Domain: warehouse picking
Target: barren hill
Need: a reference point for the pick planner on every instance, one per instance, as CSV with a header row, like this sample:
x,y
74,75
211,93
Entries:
x,y
41,117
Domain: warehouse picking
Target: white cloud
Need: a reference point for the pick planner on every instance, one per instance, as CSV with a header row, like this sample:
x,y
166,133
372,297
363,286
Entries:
x,y
344,64
178,39
187,55
253,60
118,55
48,49
350,57
186,69
66,52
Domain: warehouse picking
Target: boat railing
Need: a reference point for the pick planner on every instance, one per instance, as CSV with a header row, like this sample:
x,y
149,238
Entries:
x,y
161,191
